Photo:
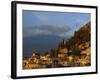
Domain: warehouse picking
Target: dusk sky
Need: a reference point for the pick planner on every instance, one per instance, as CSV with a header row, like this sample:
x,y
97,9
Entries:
x,y
52,23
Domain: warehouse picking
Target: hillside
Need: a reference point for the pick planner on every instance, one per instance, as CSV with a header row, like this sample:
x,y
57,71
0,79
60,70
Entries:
x,y
74,52
81,36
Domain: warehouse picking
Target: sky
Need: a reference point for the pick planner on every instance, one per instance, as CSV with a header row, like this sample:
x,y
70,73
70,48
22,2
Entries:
x,y
59,24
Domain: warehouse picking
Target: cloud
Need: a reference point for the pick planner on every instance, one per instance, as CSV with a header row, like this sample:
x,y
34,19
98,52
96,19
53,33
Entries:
x,y
57,30
36,32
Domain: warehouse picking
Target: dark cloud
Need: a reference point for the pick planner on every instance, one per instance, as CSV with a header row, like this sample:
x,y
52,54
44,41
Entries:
x,y
58,30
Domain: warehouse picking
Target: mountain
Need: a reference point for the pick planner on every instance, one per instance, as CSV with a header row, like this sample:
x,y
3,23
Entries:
x,y
81,36
78,42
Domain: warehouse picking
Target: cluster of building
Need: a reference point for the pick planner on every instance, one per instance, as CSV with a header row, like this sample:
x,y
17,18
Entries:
x,y
62,59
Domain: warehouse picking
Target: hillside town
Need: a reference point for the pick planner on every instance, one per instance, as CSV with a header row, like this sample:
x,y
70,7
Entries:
x,y
75,52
